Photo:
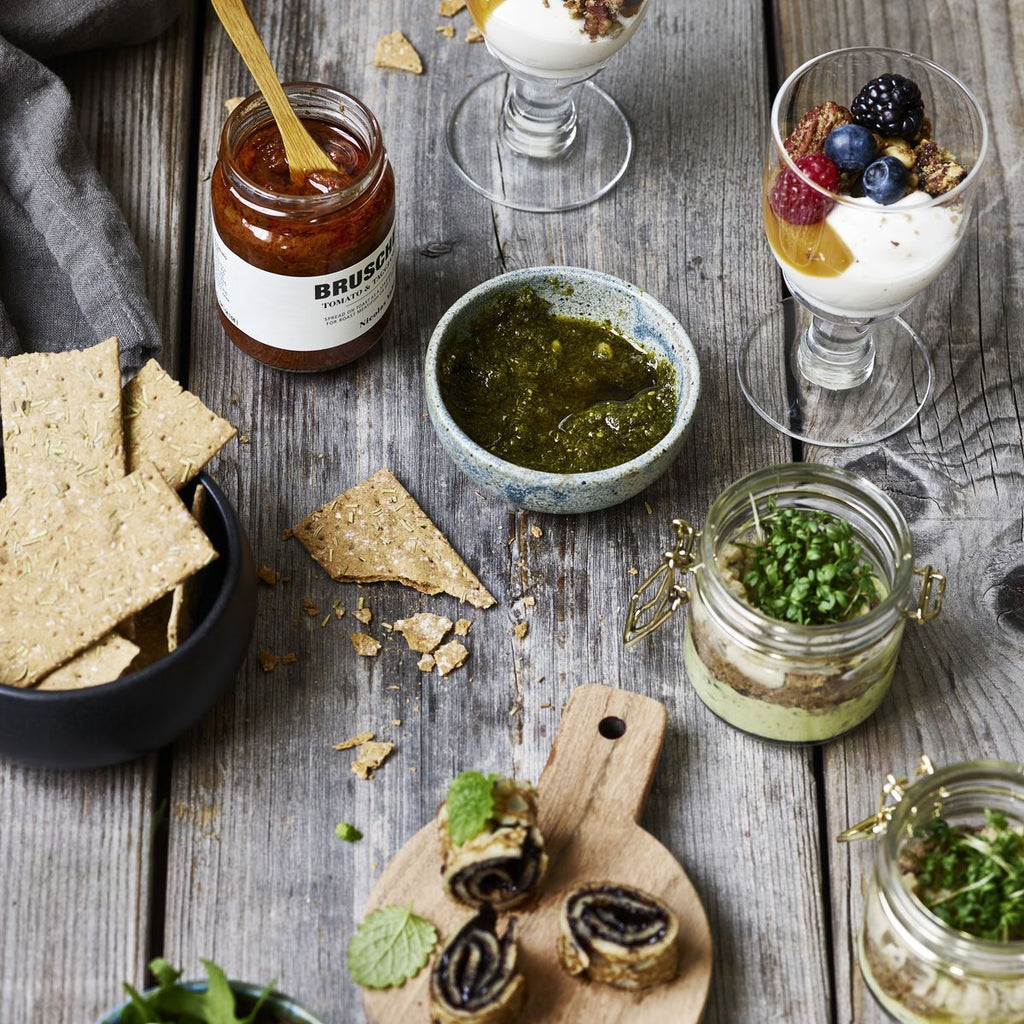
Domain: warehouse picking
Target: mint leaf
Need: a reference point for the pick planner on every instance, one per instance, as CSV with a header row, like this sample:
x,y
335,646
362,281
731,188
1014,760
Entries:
x,y
164,973
389,947
348,832
140,1012
470,805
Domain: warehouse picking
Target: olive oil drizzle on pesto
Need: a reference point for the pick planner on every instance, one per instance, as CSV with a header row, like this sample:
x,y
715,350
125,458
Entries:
x,y
556,394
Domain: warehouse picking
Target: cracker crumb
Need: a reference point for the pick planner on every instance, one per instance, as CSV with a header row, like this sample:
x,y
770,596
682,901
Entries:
x,y
446,30
529,601
243,438
289,658
634,571
365,645
647,505
426,663
449,8
424,631
396,52
268,660
462,627
371,757
396,721
450,656
268,575
474,35
353,741
547,704
339,610
310,607
363,615
515,709
287,533
536,531
521,629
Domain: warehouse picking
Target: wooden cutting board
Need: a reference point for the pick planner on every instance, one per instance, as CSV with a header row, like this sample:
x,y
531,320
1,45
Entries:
x,y
590,795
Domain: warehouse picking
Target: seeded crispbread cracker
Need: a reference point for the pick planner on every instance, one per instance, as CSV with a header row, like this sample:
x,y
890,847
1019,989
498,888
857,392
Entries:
x,y
183,599
102,663
376,532
170,427
61,415
395,51
69,573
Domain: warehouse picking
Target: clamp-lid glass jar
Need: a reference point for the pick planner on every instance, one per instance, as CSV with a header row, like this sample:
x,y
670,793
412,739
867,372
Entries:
x,y
919,968
305,271
774,678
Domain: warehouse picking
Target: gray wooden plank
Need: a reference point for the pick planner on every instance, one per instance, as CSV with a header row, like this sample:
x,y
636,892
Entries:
x,y
255,874
77,847
957,474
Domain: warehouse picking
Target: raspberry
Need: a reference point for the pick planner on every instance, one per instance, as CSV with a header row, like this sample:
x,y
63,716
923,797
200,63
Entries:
x,y
796,202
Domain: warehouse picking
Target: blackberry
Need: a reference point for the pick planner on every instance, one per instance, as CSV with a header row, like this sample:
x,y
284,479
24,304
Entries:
x,y
889,105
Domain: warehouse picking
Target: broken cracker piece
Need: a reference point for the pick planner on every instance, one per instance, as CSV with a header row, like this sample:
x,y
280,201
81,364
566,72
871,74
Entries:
x,y
450,656
371,757
462,627
104,662
168,426
365,645
396,52
376,532
354,741
426,663
424,631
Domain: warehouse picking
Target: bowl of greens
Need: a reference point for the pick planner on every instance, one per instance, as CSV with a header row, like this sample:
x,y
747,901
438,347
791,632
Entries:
x,y
215,1000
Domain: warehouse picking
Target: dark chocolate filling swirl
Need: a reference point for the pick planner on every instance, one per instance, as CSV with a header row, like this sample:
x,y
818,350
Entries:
x,y
476,967
611,913
500,881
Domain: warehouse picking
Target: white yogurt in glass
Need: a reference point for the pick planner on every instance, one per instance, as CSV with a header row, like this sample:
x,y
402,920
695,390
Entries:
x,y
898,250
541,39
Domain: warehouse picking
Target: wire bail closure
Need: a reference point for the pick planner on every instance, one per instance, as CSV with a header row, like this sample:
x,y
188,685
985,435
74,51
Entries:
x,y
929,598
893,791
669,594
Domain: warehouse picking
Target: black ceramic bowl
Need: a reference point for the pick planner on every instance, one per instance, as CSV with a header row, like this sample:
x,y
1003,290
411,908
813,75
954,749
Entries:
x,y
144,710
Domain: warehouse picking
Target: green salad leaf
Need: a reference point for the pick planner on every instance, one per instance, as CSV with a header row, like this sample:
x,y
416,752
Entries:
x,y
807,568
343,830
172,1003
470,805
389,947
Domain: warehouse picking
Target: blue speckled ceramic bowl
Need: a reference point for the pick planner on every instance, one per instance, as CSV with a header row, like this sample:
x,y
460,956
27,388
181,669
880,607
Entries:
x,y
284,1008
594,296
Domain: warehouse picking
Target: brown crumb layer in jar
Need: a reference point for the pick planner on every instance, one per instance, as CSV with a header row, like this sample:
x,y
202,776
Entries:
x,y
321,238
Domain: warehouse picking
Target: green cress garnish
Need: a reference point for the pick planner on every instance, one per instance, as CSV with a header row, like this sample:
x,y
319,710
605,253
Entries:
x,y
470,805
343,830
807,568
172,1003
973,879
390,947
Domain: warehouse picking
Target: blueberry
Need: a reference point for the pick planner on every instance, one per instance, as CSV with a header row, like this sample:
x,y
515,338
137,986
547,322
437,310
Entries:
x,y
885,180
850,147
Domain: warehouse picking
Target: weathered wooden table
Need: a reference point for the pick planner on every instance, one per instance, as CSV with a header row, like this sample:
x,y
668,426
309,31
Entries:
x,y
223,845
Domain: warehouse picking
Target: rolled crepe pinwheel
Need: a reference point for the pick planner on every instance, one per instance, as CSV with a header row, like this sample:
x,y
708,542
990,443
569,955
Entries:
x,y
504,863
618,935
474,979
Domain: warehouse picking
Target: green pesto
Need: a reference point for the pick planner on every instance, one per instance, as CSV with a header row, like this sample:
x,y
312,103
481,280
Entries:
x,y
552,393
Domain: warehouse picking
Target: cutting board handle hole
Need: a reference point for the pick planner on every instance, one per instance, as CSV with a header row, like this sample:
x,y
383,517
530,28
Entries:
x,y
612,728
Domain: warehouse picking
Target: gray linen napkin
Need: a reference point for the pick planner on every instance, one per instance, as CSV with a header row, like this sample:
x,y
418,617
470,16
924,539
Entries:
x,y
70,272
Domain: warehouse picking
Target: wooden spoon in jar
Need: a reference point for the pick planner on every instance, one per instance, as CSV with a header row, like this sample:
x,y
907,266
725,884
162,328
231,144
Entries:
x,y
301,150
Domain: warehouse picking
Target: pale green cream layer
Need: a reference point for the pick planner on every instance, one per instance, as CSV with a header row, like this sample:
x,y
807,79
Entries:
x,y
791,725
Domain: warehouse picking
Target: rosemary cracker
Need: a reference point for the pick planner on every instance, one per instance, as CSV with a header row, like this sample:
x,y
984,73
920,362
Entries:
x,y
61,415
170,427
69,574
376,532
101,663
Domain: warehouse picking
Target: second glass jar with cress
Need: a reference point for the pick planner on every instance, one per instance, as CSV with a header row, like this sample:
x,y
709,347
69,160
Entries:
x,y
943,936
773,674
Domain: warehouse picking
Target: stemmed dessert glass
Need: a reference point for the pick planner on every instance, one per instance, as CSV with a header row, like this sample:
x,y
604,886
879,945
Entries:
x,y
835,364
543,137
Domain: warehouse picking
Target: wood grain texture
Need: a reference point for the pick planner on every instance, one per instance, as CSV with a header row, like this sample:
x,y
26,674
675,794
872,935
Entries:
x,y
76,847
255,872
590,796
957,473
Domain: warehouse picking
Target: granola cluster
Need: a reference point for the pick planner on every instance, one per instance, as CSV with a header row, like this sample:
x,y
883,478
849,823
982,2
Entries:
x,y
601,17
